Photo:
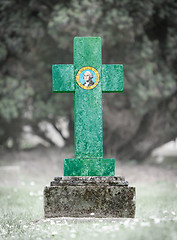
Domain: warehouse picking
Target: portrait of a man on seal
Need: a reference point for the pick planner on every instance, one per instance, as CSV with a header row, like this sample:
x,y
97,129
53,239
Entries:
x,y
87,77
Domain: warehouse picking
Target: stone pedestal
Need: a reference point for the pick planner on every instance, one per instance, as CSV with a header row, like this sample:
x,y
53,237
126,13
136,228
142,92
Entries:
x,y
89,197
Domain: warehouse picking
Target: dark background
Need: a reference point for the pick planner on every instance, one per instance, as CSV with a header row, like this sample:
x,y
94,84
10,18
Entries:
x,y
139,34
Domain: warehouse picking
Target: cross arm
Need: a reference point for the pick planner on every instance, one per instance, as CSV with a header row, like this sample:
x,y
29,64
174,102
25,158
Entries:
x,y
112,78
63,78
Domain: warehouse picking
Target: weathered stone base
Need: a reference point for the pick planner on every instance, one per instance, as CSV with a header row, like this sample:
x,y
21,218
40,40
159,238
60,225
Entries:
x,y
89,197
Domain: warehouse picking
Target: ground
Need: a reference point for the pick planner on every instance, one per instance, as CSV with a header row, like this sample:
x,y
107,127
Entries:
x,y
24,174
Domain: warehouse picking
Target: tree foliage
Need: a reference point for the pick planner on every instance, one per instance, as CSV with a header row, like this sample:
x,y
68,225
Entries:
x,y
140,34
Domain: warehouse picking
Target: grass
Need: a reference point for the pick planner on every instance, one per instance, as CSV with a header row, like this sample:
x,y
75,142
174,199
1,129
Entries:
x,y
21,202
21,216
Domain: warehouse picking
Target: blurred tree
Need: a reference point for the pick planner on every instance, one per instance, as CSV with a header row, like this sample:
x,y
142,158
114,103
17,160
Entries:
x,y
141,35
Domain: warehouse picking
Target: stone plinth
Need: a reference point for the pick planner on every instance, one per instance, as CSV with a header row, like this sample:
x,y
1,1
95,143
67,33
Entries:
x,y
89,197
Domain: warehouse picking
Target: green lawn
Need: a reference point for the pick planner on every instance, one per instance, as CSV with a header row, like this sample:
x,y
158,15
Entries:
x,y
21,216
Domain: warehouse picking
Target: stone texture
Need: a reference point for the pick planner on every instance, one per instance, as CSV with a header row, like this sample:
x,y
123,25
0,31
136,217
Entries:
x,y
89,197
85,181
89,167
63,78
112,78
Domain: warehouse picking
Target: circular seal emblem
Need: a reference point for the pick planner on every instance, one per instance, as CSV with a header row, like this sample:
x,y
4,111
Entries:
x,y
87,78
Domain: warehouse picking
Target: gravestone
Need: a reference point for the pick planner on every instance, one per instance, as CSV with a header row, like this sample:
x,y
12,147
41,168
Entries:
x,y
88,187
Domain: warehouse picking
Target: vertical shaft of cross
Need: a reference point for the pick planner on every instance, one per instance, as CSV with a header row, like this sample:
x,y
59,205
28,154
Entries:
x,y
88,103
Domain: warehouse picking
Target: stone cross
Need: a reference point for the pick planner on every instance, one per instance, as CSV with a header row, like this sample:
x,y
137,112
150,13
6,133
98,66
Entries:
x,y
88,78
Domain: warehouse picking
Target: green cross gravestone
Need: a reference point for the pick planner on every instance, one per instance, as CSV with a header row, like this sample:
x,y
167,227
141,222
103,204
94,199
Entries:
x,y
88,78
88,187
